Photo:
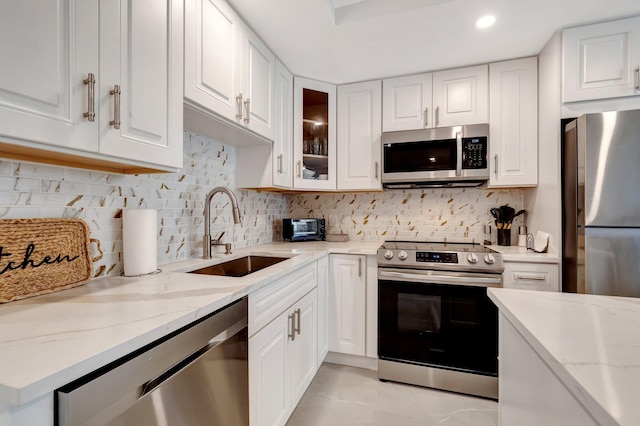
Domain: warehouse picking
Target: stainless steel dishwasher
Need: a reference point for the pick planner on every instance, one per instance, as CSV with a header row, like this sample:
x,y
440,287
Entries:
x,y
196,376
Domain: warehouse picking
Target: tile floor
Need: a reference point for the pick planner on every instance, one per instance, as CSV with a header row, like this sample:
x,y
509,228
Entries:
x,y
341,395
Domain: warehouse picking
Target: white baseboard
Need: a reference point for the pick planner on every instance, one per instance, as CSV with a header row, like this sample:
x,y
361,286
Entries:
x,y
352,360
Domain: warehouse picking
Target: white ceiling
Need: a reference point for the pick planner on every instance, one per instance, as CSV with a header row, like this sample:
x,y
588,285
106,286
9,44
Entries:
x,y
343,41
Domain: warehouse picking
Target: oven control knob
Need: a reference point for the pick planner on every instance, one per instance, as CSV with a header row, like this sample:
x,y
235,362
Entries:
x,y
402,255
472,258
388,255
488,258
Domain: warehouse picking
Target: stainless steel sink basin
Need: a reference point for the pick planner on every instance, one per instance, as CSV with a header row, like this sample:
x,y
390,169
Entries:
x,y
240,267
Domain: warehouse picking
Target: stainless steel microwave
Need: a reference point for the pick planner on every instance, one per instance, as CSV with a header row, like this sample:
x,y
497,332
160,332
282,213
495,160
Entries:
x,y
441,157
303,229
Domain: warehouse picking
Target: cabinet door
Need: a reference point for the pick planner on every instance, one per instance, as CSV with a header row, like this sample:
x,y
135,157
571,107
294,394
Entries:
x,y
304,349
323,306
283,142
347,301
601,60
141,53
259,66
269,373
406,103
314,134
359,135
49,49
213,78
514,123
460,96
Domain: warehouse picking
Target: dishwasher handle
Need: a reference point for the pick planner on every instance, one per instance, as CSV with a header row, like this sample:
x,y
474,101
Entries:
x,y
177,368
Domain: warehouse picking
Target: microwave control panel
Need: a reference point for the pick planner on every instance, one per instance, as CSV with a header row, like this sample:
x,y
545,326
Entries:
x,y
474,153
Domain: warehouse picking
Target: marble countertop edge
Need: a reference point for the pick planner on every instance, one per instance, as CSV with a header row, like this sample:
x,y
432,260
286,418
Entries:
x,y
574,380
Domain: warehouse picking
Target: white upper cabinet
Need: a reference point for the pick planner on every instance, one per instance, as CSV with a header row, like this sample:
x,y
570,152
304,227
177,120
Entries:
x,y
601,60
314,134
228,69
52,48
513,127
212,51
283,143
407,102
460,96
440,99
56,100
141,80
359,135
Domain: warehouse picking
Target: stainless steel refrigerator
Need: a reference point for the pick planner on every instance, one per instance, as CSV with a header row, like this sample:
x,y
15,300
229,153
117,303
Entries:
x,y
601,204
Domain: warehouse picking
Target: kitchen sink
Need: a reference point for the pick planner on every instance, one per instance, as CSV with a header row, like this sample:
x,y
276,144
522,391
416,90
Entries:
x,y
240,267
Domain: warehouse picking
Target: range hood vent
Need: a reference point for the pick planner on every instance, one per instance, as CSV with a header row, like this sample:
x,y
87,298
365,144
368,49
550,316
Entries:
x,y
436,184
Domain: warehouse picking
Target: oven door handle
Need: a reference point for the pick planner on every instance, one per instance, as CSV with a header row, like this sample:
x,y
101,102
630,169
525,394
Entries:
x,y
473,280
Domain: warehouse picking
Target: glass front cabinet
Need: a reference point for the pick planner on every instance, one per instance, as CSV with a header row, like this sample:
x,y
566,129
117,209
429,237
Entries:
x,y
314,134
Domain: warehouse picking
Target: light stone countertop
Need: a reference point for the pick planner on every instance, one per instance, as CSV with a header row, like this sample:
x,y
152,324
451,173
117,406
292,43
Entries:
x,y
50,340
590,342
521,254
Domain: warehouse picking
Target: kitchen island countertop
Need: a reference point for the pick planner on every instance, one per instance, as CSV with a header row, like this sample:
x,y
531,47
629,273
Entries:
x,y
590,342
50,340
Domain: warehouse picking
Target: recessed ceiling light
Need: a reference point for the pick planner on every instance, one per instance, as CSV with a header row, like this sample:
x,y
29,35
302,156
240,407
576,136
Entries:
x,y
486,21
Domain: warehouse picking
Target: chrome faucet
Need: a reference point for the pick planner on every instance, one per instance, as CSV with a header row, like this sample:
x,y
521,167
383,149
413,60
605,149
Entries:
x,y
206,242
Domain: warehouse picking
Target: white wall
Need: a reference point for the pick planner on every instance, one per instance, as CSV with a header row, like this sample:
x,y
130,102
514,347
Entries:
x,y
544,201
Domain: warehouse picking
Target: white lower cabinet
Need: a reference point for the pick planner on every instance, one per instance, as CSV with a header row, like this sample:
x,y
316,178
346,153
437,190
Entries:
x,y
323,306
283,345
531,276
347,304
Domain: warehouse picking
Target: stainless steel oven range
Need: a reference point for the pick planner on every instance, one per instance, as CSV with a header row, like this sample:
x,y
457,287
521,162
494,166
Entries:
x,y
436,324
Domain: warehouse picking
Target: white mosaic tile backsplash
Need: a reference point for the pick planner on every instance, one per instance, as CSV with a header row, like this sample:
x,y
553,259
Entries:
x,y
34,190
417,214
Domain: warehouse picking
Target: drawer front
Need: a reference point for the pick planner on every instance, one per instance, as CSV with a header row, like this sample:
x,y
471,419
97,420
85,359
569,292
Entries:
x,y
270,301
531,276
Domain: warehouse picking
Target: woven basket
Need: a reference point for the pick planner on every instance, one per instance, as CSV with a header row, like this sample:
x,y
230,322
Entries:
x,y
39,256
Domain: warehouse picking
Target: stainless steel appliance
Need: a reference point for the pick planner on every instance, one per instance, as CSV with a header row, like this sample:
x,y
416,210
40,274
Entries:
x,y
303,229
601,204
436,324
196,376
442,157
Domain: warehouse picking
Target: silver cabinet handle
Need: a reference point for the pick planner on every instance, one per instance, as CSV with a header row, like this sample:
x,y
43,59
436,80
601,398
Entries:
x,y
495,163
280,164
529,276
91,101
116,107
298,313
292,334
459,154
426,117
247,111
239,107
437,116
359,266
299,168
638,77
377,170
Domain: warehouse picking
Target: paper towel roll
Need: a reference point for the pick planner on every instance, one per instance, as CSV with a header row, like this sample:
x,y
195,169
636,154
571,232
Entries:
x,y
139,241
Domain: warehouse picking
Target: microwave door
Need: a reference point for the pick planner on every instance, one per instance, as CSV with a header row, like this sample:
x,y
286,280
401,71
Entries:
x,y
305,227
405,161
